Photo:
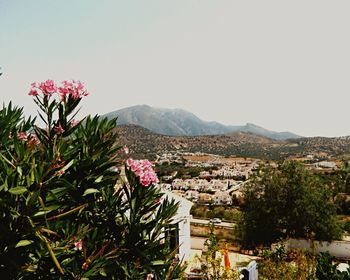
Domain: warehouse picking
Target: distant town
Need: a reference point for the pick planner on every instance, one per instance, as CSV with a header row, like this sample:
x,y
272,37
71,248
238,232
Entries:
x,y
221,179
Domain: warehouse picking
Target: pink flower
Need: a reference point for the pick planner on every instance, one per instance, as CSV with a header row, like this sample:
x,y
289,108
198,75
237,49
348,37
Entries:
x,y
150,276
145,180
66,89
144,170
33,141
115,169
33,92
62,92
75,89
148,178
129,162
80,86
23,136
48,87
137,168
146,163
125,149
58,129
74,123
78,246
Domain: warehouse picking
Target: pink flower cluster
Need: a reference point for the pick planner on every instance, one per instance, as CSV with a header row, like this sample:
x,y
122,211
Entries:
x,y
58,129
48,88
23,135
31,139
73,88
144,170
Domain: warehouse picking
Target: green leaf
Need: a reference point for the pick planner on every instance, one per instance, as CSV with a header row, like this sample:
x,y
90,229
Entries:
x,y
19,170
23,243
159,262
9,162
103,273
47,210
99,179
68,165
15,214
66,261
4,186
18,190
90,191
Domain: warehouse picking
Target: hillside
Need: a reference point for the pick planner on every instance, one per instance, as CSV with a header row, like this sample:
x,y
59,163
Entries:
x,y
142,142
178,122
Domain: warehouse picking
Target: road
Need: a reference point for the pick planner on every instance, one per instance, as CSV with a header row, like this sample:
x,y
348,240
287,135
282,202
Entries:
x,y
205,222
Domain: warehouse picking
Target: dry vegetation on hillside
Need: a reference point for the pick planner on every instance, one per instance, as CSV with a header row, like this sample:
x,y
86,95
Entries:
x,y
144,142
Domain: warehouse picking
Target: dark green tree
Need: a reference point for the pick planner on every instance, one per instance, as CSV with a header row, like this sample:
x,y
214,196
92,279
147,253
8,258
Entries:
x,y
287,202
344,176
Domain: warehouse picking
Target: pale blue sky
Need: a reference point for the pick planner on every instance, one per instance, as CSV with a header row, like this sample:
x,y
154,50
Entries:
x,y
284,65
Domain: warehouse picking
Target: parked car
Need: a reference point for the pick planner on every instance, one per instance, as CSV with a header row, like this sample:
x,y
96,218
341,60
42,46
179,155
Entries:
x,y
215,221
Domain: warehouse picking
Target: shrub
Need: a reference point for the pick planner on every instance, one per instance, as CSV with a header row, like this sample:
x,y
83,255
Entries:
x,y
66,211
279,264
327,270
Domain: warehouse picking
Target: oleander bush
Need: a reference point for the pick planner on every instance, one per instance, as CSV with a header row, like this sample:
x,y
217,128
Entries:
x,y
68,211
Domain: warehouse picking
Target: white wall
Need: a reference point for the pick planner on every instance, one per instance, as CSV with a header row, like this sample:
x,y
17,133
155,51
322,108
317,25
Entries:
x,y
183,218
185,239
338,249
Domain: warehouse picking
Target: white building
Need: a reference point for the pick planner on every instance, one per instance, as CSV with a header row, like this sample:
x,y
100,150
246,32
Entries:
x,y
222,198
182,238
192,195
326,164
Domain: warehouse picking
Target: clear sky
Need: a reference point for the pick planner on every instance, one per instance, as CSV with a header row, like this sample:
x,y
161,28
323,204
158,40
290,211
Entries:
x,y
284,65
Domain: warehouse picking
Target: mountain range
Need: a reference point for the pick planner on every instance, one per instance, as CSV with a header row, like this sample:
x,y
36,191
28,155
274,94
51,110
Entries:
x,y
178,122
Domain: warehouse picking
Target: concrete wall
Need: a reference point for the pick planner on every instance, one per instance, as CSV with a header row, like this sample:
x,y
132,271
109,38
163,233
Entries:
x,y
338,249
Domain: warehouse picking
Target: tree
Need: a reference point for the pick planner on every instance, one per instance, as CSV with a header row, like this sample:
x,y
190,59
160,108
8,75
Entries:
x,y
343,182
287,202
66,211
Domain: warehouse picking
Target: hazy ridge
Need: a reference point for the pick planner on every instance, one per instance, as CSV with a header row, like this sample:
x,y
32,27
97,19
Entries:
x,y
178,122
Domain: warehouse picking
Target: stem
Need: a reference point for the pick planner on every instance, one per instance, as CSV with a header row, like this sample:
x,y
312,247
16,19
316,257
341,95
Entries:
x,y
52,254
93,257
68,212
